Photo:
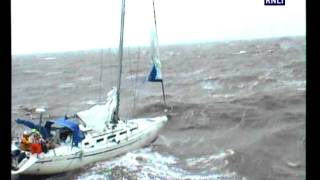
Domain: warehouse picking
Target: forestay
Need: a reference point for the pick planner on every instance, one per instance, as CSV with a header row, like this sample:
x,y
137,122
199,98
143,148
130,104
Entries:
x,y
99,115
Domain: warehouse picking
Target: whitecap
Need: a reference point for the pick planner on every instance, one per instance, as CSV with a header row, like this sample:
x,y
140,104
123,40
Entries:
x,y
66,85
90,102
53,73
210,85
50,58
295,83
32,71
87,78
146,164
242,52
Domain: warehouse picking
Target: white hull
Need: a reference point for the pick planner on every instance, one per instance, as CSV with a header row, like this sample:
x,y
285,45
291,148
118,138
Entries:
x,y
100,141
99,148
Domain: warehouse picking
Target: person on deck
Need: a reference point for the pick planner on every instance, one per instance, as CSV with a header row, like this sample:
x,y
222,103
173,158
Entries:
x,y
49,144
25,142
35,147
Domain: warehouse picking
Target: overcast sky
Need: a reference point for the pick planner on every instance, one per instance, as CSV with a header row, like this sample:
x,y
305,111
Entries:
x,y
63,25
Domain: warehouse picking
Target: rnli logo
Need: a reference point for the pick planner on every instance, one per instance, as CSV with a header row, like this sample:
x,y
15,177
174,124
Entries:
x,y
274,2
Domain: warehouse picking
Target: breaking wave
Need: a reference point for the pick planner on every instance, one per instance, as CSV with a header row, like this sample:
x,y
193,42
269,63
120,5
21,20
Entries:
x,y
148,164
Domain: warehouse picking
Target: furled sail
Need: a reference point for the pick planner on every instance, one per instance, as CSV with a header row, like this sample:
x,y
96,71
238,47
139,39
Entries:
x,y
99,115
155,74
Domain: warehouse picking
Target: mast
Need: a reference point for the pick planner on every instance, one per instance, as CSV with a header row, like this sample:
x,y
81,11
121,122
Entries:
x,y
116,115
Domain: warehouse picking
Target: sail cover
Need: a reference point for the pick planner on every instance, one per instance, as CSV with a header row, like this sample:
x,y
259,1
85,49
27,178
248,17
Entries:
x,y
99,115
155,74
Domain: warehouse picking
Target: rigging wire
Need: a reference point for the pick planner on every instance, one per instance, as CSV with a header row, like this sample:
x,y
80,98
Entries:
x,y
110,67
68,96
135,95
133,82
131,76
101,72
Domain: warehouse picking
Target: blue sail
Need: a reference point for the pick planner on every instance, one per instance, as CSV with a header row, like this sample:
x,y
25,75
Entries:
x,y
155,74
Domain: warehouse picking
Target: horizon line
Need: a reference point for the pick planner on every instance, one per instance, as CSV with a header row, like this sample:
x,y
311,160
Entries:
x,y
194,42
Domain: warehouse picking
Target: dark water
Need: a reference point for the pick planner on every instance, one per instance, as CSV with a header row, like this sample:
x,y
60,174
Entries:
x,y
237,109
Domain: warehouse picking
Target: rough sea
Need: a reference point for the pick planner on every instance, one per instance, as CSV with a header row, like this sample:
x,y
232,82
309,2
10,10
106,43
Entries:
x,y
236,109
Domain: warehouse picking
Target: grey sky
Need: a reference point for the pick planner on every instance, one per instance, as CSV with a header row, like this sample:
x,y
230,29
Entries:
x,y
62,25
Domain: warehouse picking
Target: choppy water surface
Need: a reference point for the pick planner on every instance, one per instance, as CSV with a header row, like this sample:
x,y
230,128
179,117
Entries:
x,y
237,109
147,164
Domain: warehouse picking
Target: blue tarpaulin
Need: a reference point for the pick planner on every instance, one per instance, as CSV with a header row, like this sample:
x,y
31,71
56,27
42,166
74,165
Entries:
x,y
43,131
74,127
